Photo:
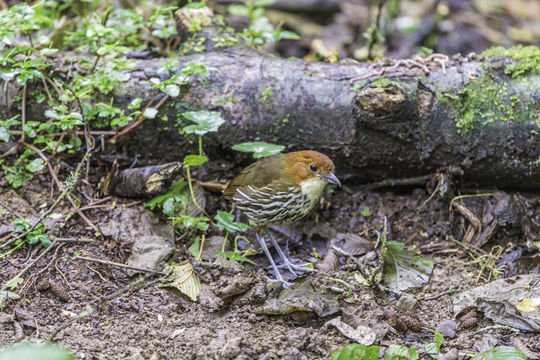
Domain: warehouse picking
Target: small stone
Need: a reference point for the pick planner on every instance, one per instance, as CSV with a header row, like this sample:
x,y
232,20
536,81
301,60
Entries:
x,y
452,354
447,328
406,303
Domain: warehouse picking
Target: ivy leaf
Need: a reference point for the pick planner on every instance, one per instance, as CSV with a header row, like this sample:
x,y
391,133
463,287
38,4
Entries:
x,y
366,212
200,223
356,352
8,295
403,269
501,353
226,220
259,149
195,247
34,351
35,165
4,134
434,349
195,160
171,90
233,256
12,284
175,193
207,121
135,103
150,113
238,10
401,352
263,3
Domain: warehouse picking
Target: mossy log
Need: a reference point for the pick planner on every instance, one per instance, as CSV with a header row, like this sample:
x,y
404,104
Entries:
x,y
404,119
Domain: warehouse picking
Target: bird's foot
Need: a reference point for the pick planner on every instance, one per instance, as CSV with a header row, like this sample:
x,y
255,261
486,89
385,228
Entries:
x,y
279,279
294,269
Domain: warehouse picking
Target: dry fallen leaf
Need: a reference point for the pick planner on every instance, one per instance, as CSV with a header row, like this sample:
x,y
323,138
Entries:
x,y
185,281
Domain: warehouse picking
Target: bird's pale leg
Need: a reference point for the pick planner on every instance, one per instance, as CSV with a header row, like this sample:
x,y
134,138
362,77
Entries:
x,y
286,262
279,278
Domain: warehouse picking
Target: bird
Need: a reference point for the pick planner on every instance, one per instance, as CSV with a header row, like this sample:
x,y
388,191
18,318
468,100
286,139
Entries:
x,y
278,190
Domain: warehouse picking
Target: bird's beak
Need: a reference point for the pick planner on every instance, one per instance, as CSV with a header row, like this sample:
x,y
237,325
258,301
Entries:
x,y
331,178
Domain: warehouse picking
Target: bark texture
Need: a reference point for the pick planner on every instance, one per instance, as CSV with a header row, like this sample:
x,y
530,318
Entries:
x,y
410,120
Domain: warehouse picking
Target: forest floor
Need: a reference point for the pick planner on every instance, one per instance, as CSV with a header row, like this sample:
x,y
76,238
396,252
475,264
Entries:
x,y
236,316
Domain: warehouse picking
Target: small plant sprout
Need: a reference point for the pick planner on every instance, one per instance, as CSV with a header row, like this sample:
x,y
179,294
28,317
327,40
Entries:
x,y
259,149
226,221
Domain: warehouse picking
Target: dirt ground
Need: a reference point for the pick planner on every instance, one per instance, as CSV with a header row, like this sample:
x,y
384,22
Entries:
x,y
149,322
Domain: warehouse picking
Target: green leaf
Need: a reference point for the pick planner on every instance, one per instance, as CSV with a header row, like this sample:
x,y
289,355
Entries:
x,y
439,339
8,295
431,350
171,90
169,206
4,134
259,149
434,349
195,160
366,212
501,353
400,352
35,165
263,3
12,284
200,223
135,104
207,121
31,351
45,240
195,5
356,352
21,224
203,226
150,113
170,199
38,235
226,220
403,269
238,10
283,34
195,247
233,256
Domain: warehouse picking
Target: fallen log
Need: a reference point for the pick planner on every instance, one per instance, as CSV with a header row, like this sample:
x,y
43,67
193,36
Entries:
x,y
405,122
395,119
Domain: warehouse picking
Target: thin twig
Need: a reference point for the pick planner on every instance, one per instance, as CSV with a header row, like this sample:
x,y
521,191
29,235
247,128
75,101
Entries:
x,y
139,119
435,297
59,184
11,211
95,133
73,240
27,267
87,312
23,112
417,180
123,266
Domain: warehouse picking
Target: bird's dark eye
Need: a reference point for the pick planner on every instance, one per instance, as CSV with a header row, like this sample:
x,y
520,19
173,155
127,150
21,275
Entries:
x,y
313,167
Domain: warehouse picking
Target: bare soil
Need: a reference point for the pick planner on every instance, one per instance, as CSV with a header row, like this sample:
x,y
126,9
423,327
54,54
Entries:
x,y
149,322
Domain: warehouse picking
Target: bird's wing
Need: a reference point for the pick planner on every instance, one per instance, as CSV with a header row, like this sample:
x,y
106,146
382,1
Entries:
x,y
264,195
258,175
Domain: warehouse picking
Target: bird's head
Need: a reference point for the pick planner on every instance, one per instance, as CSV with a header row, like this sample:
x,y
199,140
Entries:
x,y
311,167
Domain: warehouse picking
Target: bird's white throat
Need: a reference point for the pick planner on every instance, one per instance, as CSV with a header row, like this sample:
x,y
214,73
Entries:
x,y
312,188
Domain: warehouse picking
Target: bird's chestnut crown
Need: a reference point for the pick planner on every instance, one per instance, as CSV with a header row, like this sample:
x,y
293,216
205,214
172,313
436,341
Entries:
x,y
309,164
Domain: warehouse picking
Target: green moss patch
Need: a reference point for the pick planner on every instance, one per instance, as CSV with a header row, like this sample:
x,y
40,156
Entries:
x,y
487,100
528,59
